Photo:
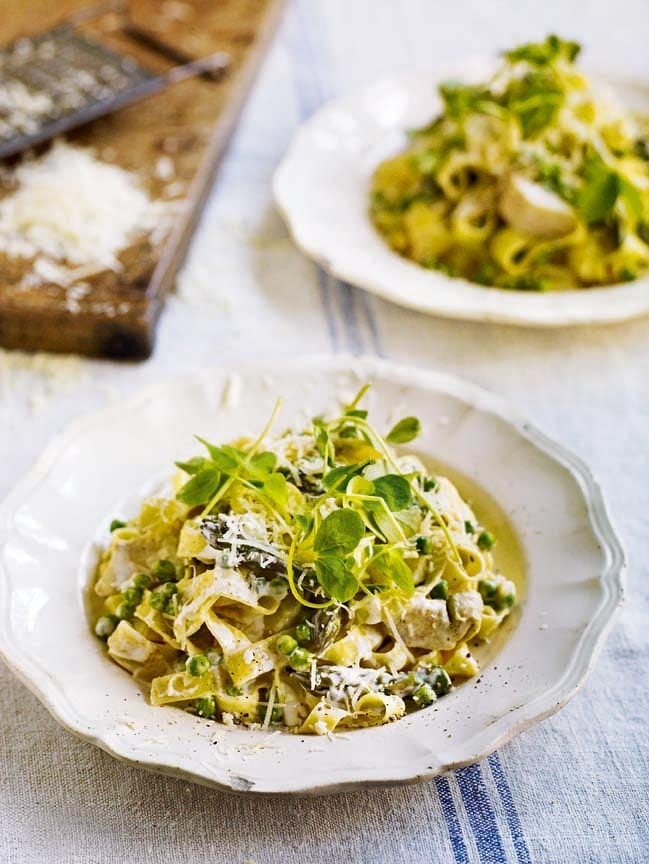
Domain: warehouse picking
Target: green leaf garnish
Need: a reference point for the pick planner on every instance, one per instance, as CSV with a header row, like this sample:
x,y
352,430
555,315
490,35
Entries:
x,y
263,463
339,477
461,99
193,466
200,488
383,513
227,459
632,198
336,577
395,491
542,53
340,533
391,565
305,522
322,439
276,488
404,431
599,192
351,409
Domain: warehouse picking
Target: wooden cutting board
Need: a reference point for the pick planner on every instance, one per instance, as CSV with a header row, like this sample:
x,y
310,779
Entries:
x,y
187,127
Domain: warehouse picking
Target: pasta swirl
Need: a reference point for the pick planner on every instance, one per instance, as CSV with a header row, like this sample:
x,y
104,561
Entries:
x,y
533,181
326,582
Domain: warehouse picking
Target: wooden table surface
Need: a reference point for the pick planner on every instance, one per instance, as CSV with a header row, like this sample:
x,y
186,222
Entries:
x,y
190,122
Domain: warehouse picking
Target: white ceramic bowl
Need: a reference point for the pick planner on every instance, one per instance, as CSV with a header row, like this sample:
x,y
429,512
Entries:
x,y
322,190
47,539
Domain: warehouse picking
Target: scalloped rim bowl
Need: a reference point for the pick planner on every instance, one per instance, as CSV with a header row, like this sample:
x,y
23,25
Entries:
x,y
574,575
321,189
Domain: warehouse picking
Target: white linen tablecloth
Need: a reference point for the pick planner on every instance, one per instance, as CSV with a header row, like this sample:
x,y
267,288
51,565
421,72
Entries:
x,y
573,789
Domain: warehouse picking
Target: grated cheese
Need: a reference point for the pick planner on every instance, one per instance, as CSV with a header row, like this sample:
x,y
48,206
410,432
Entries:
x,y
74,213
50,375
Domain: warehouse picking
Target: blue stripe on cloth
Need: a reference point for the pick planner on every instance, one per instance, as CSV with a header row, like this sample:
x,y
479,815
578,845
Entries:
x,y
452,822
481,814
302,49
311,47
368,308
325,299
513,820
306,49
309,98
349,315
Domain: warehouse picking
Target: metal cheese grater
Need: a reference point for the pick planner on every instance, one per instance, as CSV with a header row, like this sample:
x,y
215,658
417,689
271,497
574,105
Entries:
x,y
62,78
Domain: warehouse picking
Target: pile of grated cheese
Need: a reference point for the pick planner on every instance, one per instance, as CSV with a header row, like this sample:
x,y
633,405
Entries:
x,y
73,214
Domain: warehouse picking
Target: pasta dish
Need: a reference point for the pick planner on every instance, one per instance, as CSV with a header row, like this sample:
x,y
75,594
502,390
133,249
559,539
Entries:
x,y
316,580
533,180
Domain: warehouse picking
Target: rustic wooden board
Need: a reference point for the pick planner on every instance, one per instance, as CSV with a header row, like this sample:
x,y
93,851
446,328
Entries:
x,y
190,122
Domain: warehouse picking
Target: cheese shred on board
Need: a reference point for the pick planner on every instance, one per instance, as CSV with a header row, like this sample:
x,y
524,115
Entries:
x,y
76,213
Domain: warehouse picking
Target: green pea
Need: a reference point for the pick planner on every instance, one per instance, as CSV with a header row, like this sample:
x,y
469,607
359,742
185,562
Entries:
x,y
106,625
231,690
424,545
430,484
486,540
160,596
115,524
628,274
133,595
440,590
500,600
275,714
206,707
303,632
125,610
300,659
486,273
158,600
164,571
488,589
197,665
286,644
171,607
424,695
142,580
278,588
439,680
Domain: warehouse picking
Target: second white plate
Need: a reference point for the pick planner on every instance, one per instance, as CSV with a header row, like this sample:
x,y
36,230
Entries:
x,y
322,190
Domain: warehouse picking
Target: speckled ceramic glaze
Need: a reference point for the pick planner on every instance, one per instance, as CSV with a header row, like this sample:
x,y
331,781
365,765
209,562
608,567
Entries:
x,y
322,190
49,526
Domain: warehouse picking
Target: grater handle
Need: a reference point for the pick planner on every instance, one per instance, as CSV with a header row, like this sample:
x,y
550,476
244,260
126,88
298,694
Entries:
x,y
217,62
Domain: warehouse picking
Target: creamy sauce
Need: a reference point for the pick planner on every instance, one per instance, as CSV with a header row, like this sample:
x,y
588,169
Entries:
x,y
92,602
508,555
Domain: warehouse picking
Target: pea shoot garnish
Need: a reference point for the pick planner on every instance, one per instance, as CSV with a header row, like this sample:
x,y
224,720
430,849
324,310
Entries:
x,y
485,192
310,579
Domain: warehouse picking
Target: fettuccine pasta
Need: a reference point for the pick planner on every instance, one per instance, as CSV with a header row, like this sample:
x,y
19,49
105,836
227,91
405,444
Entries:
x,y
316,581
532,181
